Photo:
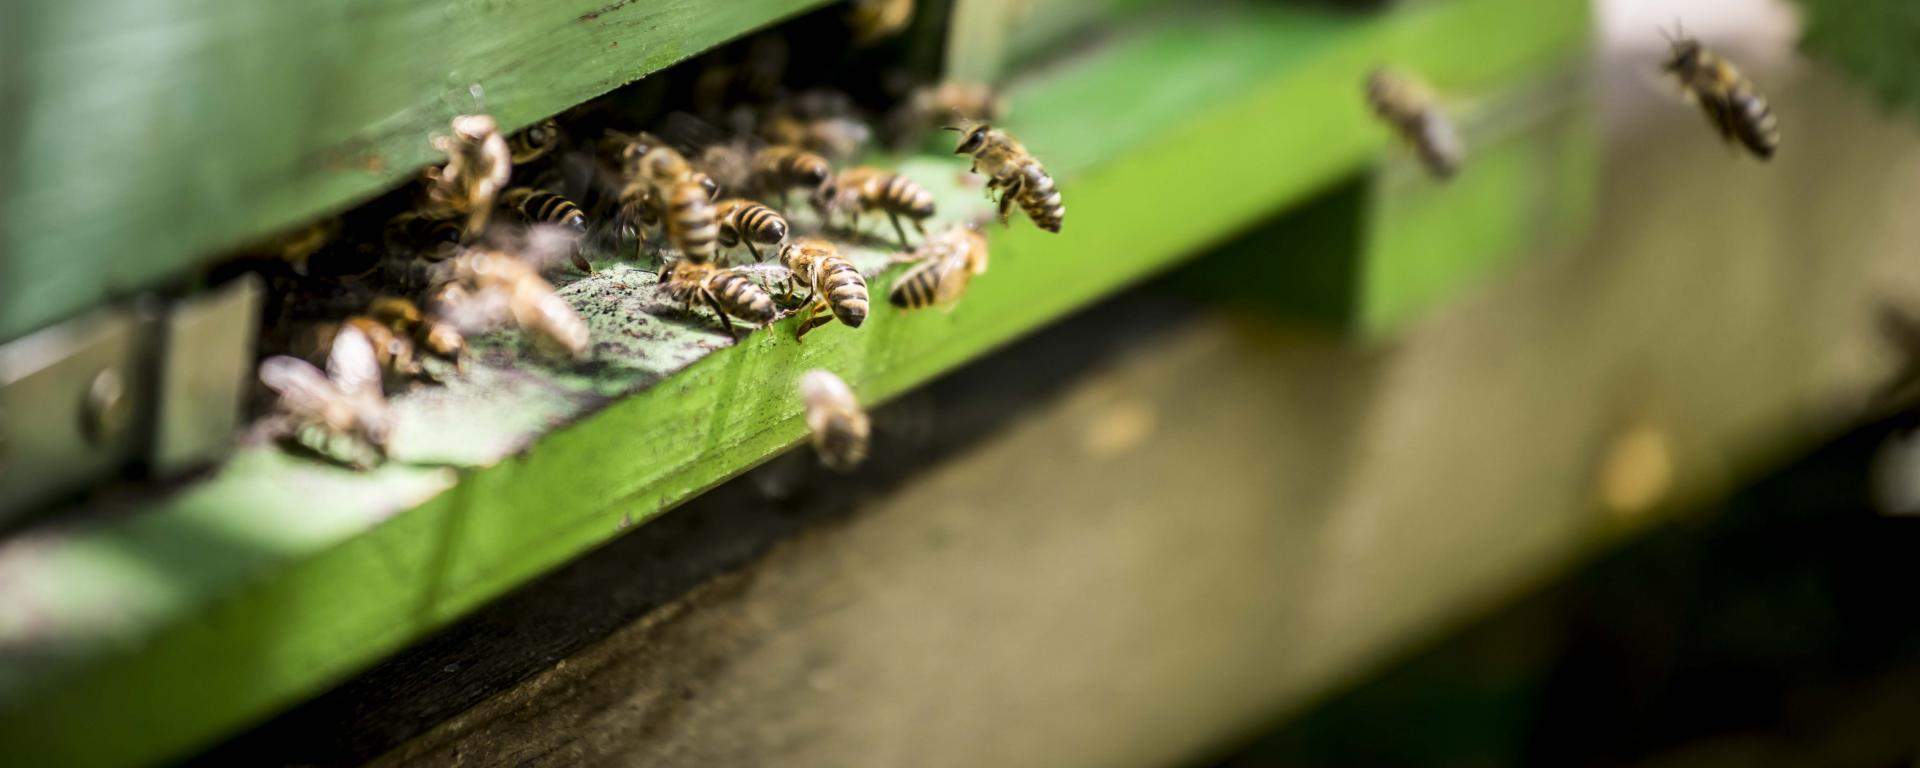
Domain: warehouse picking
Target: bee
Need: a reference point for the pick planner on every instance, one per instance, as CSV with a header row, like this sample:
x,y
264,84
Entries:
x,y
1014,174
663,187
298,246
745,222
946,103
777,169
541,207
1413,112
319,410
865,188
431,239
730,293
822,121
487,288
876,20
838,427
478,165
437,337
943,266
833,283
534,142
1732,105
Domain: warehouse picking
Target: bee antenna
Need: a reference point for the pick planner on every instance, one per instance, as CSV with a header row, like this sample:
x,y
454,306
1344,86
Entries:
x,y
954,128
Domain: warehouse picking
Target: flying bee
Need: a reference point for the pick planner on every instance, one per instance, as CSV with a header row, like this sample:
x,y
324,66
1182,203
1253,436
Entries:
x,y
493,288
1014,174
943,266
745,222
777,169
1413,112
536,206
730,293
478,165
534,142
947,103
834,284
319,410
1732,105
865,188
838,427
876,20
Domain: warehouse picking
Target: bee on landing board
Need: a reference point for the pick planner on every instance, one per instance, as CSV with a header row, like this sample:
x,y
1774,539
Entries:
x,y
943,266
866,188
664,186
1732,105
838,426
745,222
437,337
477,168
320,410
836,288
730,293
1014,174
1414,113
536,206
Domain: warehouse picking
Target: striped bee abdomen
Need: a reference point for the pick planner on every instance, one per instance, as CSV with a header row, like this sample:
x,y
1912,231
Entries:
x,y
534,142
845,290
691,225
542,207
749,221
1753,121
741,297
899,194
917,288
1040,199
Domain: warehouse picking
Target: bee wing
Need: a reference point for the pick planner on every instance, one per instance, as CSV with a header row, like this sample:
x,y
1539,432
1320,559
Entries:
x,y
301,386
764,271
352,365
690,134
954,276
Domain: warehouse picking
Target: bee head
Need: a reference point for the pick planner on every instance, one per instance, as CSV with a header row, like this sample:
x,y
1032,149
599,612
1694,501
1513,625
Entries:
x,y
1686,51
972,138
707,183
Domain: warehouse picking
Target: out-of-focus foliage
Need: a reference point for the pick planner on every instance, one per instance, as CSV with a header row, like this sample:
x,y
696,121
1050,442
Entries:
x,y
1875,41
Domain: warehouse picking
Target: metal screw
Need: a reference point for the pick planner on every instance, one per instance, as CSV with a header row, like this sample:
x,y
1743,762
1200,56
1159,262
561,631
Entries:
x,y
107,408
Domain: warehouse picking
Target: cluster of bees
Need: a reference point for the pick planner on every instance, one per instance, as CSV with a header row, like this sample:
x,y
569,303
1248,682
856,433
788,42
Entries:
x,y
467,253
467,248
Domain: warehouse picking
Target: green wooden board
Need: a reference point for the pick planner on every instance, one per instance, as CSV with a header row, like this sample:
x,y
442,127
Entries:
x,y
173,624
140,138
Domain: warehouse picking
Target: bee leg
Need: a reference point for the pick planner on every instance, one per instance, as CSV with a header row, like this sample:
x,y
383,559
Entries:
x,y
1006,207
902,231
752,250
726,323
580,260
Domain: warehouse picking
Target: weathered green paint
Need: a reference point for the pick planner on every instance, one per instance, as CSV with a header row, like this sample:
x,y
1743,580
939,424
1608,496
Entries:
x,y
1163,142
141,137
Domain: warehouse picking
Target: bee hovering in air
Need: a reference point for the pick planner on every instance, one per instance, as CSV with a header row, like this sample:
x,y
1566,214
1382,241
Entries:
x,y
745,222
1412,111
1732,105
943,266
344,404
477,168
865,188
484,289
535,206
534,142
730,293
876,20
835,287
838,425
1014,174
778,169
